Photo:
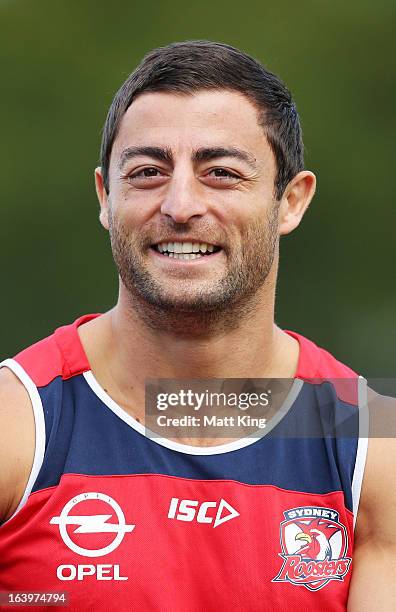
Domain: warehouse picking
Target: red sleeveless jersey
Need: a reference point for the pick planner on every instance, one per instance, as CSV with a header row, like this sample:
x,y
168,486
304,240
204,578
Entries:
x,y
122,521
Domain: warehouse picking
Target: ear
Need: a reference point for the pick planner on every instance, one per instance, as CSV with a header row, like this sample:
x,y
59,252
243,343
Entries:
x,y
102,197
295,201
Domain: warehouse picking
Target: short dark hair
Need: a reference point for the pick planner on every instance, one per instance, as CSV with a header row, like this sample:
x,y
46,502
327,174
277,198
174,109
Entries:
x,y
190,66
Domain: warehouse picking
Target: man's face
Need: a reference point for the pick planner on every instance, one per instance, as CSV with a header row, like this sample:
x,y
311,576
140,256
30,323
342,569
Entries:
x,y
192,173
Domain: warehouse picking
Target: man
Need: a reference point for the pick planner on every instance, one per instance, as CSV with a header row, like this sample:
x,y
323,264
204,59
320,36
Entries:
x,y
202,171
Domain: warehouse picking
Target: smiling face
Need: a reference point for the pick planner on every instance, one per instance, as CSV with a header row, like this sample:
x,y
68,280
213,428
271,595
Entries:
x,y
192,174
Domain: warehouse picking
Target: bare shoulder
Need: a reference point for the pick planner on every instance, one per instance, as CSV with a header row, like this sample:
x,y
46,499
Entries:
x,y
17,441
379,482
375,534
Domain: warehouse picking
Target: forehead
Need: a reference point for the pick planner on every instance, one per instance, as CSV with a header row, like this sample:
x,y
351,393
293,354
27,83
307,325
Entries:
x,y
189,121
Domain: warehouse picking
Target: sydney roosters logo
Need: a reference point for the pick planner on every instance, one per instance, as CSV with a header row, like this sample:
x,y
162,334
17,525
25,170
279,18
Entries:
x,y
314,544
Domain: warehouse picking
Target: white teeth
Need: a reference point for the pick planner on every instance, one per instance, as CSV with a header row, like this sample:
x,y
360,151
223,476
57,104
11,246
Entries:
x,y
187,247
185,256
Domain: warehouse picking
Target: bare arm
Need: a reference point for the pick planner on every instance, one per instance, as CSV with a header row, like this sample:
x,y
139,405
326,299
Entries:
x,y
17,442
373,585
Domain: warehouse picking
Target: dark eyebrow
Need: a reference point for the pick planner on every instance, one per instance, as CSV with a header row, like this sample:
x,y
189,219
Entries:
x,y
209,153
160,153
202,154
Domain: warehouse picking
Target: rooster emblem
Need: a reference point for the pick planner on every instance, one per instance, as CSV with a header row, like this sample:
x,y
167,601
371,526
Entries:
x,y
314,545
315,539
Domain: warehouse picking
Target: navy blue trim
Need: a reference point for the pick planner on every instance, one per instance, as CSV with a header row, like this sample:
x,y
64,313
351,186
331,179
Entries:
x,y
85,437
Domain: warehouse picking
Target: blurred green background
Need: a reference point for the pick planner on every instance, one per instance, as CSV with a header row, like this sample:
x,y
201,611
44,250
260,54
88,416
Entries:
x,y
61,65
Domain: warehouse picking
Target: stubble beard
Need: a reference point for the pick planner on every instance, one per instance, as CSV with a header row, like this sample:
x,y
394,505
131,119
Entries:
x,y
212,308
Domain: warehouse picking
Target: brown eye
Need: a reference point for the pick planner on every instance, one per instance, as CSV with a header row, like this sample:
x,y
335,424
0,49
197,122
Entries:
x,y
223,173
145,173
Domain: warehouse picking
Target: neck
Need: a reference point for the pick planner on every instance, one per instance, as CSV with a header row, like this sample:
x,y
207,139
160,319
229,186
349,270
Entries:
x,y
121,343
166,354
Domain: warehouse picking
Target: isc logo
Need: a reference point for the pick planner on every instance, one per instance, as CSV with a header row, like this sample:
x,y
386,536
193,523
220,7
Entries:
x,y
213,512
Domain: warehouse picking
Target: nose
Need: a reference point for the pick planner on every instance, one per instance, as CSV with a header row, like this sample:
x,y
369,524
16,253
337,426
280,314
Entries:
x,y
183,198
